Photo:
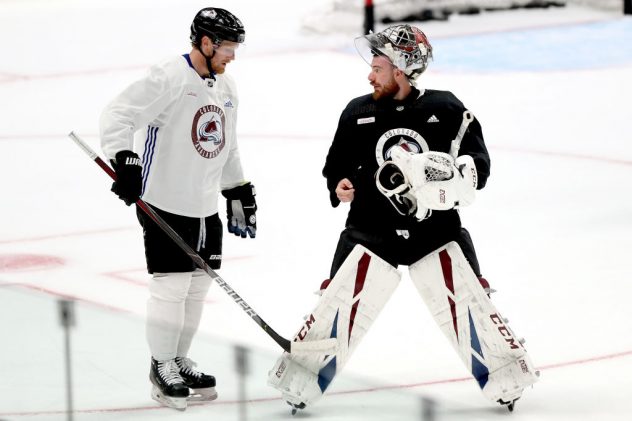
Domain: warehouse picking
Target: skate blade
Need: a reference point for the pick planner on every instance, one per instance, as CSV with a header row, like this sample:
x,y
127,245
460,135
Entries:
x,y
176,403
202,395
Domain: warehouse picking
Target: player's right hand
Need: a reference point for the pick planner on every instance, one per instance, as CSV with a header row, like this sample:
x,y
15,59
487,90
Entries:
x,y
128,169
344,190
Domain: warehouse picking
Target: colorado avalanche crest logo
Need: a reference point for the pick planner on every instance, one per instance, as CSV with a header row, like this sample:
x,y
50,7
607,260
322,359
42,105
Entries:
x,y
207,131
408,139
210,132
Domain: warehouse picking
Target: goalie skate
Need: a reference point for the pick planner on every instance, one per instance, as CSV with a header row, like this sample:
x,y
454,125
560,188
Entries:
x,y
464,312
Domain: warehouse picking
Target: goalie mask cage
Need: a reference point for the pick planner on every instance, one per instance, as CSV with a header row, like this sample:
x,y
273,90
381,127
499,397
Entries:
x,y
388,11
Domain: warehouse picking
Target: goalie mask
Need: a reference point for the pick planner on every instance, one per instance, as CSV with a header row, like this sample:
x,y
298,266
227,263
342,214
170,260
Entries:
x,y
405,46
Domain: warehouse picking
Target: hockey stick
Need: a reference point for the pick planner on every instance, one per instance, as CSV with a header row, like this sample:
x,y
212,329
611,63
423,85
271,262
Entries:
x,y
468,117
328,346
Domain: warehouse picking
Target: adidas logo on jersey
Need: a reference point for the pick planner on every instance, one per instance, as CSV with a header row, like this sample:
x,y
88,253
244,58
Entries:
x,y
228,103
433,119
403,233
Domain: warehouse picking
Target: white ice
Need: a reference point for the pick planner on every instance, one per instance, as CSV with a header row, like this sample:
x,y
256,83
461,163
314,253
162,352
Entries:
x,y
552,229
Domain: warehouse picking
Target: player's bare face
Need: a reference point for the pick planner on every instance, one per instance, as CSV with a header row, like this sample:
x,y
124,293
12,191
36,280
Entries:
x,y
382,78
224,54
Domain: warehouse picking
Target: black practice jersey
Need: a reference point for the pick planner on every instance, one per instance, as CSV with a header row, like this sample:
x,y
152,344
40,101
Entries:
x,y
425,121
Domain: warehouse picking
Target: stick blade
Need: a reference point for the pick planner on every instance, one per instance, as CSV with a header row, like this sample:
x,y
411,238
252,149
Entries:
x,y
323,346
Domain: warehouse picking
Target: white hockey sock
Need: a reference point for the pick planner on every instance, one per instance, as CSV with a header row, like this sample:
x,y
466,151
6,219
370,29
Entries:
x,y
193,306
166,313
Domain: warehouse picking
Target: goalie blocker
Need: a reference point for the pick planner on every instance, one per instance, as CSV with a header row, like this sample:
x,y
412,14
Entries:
x,y
457,301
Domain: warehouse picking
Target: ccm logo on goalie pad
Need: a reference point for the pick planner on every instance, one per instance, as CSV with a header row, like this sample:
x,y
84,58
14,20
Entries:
x,y
504,331
306,327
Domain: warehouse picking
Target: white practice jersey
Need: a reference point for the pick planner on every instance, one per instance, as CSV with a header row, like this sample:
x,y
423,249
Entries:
x,y
184,132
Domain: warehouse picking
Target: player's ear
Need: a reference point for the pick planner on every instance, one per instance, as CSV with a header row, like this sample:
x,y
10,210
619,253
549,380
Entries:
x,y
207,42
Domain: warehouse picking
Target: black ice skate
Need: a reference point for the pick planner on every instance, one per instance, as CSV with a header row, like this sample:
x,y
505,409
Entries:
x,y
203,385
168,387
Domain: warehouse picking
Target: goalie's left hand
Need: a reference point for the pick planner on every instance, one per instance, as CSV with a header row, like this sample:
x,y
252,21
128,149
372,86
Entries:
x,y
241,209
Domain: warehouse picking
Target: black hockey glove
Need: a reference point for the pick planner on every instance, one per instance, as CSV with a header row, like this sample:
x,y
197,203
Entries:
x,y
240,210
128,184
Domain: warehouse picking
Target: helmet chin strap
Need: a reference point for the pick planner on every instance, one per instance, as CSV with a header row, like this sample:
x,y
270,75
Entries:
x,y
210,77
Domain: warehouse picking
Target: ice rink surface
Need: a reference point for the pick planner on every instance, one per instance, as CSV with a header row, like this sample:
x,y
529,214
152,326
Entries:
x,y
552,228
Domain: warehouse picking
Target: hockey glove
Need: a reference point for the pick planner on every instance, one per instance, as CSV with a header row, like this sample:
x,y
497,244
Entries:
x,y
128,184
240,210
457,190
393,184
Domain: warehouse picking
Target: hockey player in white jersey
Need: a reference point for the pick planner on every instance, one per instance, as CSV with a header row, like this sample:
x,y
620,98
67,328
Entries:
x,y
405,159
171,138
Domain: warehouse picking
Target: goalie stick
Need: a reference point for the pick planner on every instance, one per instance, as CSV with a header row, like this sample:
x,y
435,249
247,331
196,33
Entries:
x,y
327,346
468,117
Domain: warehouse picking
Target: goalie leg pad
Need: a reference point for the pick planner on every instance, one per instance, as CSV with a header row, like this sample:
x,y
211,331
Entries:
x,y
471,322
345,311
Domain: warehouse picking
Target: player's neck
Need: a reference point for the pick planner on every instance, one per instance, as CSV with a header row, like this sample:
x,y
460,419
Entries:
x,y
199,62
404,91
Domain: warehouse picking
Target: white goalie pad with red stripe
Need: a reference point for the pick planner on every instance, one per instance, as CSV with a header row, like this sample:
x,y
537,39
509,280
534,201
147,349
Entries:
x,y
464,312
345,311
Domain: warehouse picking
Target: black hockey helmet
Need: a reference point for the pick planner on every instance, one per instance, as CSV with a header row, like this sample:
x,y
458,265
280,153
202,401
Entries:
x,y
217,24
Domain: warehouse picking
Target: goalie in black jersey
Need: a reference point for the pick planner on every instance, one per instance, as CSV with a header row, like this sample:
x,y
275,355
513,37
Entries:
x,y
405,159
397,116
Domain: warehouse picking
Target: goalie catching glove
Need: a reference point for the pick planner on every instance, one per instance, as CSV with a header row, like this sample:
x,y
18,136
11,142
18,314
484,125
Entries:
x,y
240,210
393,184
436,181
